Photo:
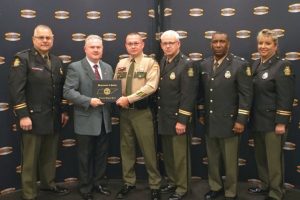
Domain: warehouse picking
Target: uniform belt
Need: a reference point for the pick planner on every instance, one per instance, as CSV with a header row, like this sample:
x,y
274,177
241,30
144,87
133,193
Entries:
x,y
133,106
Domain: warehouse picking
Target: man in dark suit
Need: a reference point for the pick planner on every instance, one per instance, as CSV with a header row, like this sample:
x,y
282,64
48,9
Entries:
x,y
177,91
35,84
225,105
92,117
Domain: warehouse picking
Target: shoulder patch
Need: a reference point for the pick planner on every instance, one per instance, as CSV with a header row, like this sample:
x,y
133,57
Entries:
x,y
191,72
287,71
17,62
248,71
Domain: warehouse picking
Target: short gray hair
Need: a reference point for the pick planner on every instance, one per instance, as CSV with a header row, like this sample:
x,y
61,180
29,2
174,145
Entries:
x,y
93,37
170,33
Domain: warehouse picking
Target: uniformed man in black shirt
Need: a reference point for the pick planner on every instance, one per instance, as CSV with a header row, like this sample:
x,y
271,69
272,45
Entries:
x,y
35,85
177,92
225,101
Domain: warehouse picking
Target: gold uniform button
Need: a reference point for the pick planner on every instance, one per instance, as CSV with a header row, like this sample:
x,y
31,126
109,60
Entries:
x,y
212,79
211,101
211,89
210,111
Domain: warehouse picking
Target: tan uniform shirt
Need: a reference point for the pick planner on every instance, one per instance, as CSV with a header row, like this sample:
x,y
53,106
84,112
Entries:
x,y
145,77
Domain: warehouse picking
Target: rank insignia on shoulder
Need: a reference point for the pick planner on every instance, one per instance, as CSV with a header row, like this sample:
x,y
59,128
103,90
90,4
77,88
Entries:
x,y
172,76
17,62
191,72
287,71
248,71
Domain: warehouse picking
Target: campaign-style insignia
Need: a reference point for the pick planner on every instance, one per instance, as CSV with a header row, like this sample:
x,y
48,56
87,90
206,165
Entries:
x,y
265,75
227,74
248,71
172,76
287,71
16,62
191,72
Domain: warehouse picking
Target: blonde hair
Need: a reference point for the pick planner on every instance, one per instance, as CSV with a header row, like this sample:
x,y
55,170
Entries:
x,y
268,33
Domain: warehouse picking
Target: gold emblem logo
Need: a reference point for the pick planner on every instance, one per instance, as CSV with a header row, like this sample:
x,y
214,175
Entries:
x,y
278,32
69,142
227,12
294,8
182,34
78,37
168,12
288,56
5,151
227,74
124,14
208,34
287,71
243,34
261,10
151,13
157,35
61,14
196,12
11,36
17,62
172,76
195,56
255,56
2,60
248,71
191,72
109,36
93,15
143,35
107,91
65,58
26,13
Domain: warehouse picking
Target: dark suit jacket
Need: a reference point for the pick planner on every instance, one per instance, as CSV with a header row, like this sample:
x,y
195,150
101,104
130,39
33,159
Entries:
x,y
78,89
274,84
177,91
36,90
226,95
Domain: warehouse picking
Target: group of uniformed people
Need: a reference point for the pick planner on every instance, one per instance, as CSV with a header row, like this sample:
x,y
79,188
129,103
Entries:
x,y
229,93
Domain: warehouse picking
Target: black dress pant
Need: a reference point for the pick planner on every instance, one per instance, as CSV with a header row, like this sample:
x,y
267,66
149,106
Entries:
x,y
92,158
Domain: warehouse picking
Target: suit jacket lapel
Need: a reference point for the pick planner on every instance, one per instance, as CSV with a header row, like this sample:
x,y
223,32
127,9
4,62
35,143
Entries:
x,y
104,71
86,66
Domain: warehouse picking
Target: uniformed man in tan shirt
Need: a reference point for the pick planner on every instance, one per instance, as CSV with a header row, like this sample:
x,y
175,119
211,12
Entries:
x,y
139,75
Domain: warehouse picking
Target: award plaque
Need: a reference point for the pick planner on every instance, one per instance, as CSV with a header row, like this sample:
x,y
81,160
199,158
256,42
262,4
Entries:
x,y
107,90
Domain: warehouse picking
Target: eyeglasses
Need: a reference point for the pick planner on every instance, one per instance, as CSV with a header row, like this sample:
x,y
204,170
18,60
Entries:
x,y
43,37
168,43
133,43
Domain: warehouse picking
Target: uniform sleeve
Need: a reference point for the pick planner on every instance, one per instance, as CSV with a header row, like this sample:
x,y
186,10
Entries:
x,y
17,86
150,87
285,84
245,93
200,92
189,82
71,88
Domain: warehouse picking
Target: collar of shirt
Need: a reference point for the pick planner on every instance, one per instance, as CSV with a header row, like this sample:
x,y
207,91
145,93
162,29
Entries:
x,y
136,59
220,60
92,66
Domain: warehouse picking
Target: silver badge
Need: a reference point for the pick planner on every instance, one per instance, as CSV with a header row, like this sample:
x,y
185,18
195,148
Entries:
x,y
227,74
265,75
172,76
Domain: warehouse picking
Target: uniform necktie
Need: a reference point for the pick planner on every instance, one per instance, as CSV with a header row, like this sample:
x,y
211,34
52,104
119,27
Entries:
x,y
215,66
47,60
129,78
97,74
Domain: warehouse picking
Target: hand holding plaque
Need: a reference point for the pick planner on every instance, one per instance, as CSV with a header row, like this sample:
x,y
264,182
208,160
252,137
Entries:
x,y
107,90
